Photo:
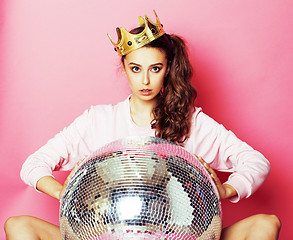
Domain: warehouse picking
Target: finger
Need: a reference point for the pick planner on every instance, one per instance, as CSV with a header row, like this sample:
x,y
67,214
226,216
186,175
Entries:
x,y
80,161
214,176
75,169
204,163
210,170
200,159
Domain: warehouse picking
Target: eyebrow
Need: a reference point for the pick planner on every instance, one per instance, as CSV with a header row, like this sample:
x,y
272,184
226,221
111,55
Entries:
x,y
155,64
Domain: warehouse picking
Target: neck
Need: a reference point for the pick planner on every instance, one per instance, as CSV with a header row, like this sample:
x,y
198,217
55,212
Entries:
x,y
141,111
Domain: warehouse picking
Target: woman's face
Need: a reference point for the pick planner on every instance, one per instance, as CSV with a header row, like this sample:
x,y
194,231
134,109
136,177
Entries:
x,y
145,69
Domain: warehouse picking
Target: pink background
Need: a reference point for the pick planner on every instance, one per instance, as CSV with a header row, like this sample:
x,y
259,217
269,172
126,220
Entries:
x,y
56,61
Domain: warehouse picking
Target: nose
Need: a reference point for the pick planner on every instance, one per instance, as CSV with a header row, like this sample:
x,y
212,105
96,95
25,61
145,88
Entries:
x,y
146,78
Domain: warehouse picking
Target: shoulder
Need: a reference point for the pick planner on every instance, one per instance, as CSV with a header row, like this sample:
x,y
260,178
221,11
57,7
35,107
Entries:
x,y
202,119
104,114
205,128
197,111
106,109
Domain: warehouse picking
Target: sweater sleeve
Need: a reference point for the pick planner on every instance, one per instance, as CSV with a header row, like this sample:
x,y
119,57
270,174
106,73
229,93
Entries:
x,y
61,152
225,152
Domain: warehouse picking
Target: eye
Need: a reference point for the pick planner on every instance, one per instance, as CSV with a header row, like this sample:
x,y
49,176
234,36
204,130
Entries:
x,y
156,69
135,69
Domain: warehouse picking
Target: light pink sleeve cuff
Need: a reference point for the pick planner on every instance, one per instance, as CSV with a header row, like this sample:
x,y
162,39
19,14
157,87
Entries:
x,y
241,186
35,175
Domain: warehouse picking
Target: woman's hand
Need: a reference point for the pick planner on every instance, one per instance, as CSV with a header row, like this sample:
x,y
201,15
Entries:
x,y
61,193
50,186
225,190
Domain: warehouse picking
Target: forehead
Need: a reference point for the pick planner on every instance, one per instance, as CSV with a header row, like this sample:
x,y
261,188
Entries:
x,y
146,55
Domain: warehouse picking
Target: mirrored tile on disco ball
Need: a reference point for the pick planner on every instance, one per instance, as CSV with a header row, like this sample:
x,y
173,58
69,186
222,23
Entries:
x,y
141,188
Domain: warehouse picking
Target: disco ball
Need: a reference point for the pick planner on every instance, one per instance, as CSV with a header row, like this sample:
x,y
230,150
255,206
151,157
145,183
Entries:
x,y
141,188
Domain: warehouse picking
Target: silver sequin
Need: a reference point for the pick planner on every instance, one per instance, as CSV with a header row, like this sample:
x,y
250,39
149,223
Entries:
x,y
141,188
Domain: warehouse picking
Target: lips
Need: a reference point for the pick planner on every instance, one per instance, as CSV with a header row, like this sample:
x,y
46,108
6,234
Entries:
x,y
145,91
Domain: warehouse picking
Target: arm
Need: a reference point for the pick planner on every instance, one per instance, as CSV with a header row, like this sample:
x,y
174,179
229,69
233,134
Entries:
x,y
60,153
50,186
225,190
223,151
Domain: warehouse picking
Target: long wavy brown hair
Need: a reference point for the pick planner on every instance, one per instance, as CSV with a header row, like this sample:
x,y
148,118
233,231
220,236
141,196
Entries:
x,y
175,103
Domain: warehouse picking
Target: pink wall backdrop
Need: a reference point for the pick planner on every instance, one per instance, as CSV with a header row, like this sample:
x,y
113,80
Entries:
x,y
56,61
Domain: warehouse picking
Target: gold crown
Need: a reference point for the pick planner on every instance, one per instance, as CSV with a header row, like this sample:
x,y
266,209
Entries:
x,y
128,42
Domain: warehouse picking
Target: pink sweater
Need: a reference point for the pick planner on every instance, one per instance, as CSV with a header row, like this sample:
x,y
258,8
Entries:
x,y
102,124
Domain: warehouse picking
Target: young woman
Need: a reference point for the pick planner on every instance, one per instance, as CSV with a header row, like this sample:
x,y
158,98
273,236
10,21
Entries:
x,y
161,104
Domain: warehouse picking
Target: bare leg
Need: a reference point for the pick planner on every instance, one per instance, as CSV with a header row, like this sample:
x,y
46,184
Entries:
x,y
260,227
30,228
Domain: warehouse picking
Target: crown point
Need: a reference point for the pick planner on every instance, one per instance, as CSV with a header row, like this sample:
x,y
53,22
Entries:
x,y
141,21
128,42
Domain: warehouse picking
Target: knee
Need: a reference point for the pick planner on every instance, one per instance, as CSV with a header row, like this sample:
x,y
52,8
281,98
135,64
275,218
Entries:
x,y
16,226
10,224
270,224
270,221
275,222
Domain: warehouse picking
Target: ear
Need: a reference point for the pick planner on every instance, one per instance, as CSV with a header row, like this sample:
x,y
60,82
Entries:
x,y
168,70
123,67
